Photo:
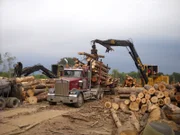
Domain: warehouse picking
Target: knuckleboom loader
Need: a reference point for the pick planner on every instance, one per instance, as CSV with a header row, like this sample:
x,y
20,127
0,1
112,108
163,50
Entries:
x,y
149,73
73,86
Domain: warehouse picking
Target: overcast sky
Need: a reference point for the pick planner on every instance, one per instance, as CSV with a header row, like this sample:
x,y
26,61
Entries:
x,y
43,31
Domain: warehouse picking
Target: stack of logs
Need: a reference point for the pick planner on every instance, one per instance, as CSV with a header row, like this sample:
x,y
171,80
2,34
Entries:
x,y
99,70
137,99
33,90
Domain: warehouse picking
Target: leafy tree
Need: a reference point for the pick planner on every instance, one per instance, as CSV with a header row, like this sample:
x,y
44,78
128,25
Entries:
x,y
115,73
69,59
6,64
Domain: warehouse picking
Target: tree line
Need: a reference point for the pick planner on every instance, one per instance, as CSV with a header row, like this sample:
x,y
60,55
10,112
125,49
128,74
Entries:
x,y
7,61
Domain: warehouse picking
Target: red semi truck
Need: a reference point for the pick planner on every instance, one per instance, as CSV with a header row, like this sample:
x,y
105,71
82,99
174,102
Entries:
x,y
74,87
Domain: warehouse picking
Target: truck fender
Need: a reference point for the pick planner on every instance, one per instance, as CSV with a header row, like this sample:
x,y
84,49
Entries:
x,y
77,92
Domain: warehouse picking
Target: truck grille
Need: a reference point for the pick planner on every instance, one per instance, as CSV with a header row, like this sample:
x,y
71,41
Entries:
x,y
62,87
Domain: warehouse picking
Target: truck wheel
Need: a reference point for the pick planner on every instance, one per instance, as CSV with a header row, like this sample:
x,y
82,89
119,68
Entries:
x,y
80,101
13,102
2,103
52,103
98,96
101,95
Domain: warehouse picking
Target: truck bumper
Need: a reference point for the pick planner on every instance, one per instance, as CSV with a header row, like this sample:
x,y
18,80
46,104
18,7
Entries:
x,y
63,99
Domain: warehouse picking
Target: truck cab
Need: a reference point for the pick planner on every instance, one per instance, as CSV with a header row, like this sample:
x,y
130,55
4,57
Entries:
x,y
74,87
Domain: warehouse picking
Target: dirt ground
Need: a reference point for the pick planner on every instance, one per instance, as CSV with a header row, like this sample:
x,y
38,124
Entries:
x,y
41,118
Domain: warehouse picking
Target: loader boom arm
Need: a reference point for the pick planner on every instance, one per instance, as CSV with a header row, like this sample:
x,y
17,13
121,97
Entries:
x,y
132,51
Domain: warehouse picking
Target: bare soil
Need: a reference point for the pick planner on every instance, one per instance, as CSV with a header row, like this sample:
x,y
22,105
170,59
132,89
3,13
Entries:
x,y
43,119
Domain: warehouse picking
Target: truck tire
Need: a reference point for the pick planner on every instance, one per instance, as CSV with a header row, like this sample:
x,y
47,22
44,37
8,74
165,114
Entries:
x,y
80,101
13,102
52,103
2,103
102,95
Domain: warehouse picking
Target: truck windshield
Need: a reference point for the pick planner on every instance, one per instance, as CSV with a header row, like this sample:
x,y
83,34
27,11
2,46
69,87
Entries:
x,y
72,73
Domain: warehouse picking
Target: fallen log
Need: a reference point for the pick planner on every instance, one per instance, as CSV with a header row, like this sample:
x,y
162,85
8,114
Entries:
x,y
132,97
177,97
30,92
125,90
143,100
108,104
116,119
151,91
134,106
38,91
41,96
144,108
160,102
140,95
154,99
124,95
127,102
32,100
155,113
147,87
161,87
147,96
159,94
115,106
167,100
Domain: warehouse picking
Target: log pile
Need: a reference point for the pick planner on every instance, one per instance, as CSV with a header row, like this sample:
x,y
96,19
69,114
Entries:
x,y
160,94
129,81
145,105
99,70
34,90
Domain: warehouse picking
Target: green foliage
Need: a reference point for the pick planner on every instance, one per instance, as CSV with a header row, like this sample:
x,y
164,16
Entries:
x,y
6,63
174,77
69,59
4,74
40,76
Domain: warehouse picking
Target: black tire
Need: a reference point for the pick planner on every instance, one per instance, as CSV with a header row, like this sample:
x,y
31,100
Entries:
x,y
102,95
13,102
80,101
2,103
52,103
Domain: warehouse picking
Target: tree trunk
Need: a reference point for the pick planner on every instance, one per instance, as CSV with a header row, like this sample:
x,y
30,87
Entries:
x,y
30,92
167,100
159,94
147,87
124,90
115,106
147,96
141,95
144,108
151,91
116,119
134,106
143,100
155,114
160,102
132,97
41,96
32,100
127,102
161,87
38,91
107,104
154,99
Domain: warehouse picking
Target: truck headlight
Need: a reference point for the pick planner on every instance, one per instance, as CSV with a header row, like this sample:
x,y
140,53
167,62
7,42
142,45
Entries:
x,y
51,90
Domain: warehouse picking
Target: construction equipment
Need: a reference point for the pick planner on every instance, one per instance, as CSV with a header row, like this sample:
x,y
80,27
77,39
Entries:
x,y
149,73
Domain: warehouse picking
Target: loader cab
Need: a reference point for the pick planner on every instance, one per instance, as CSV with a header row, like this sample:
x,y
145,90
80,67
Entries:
x,y
151,70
